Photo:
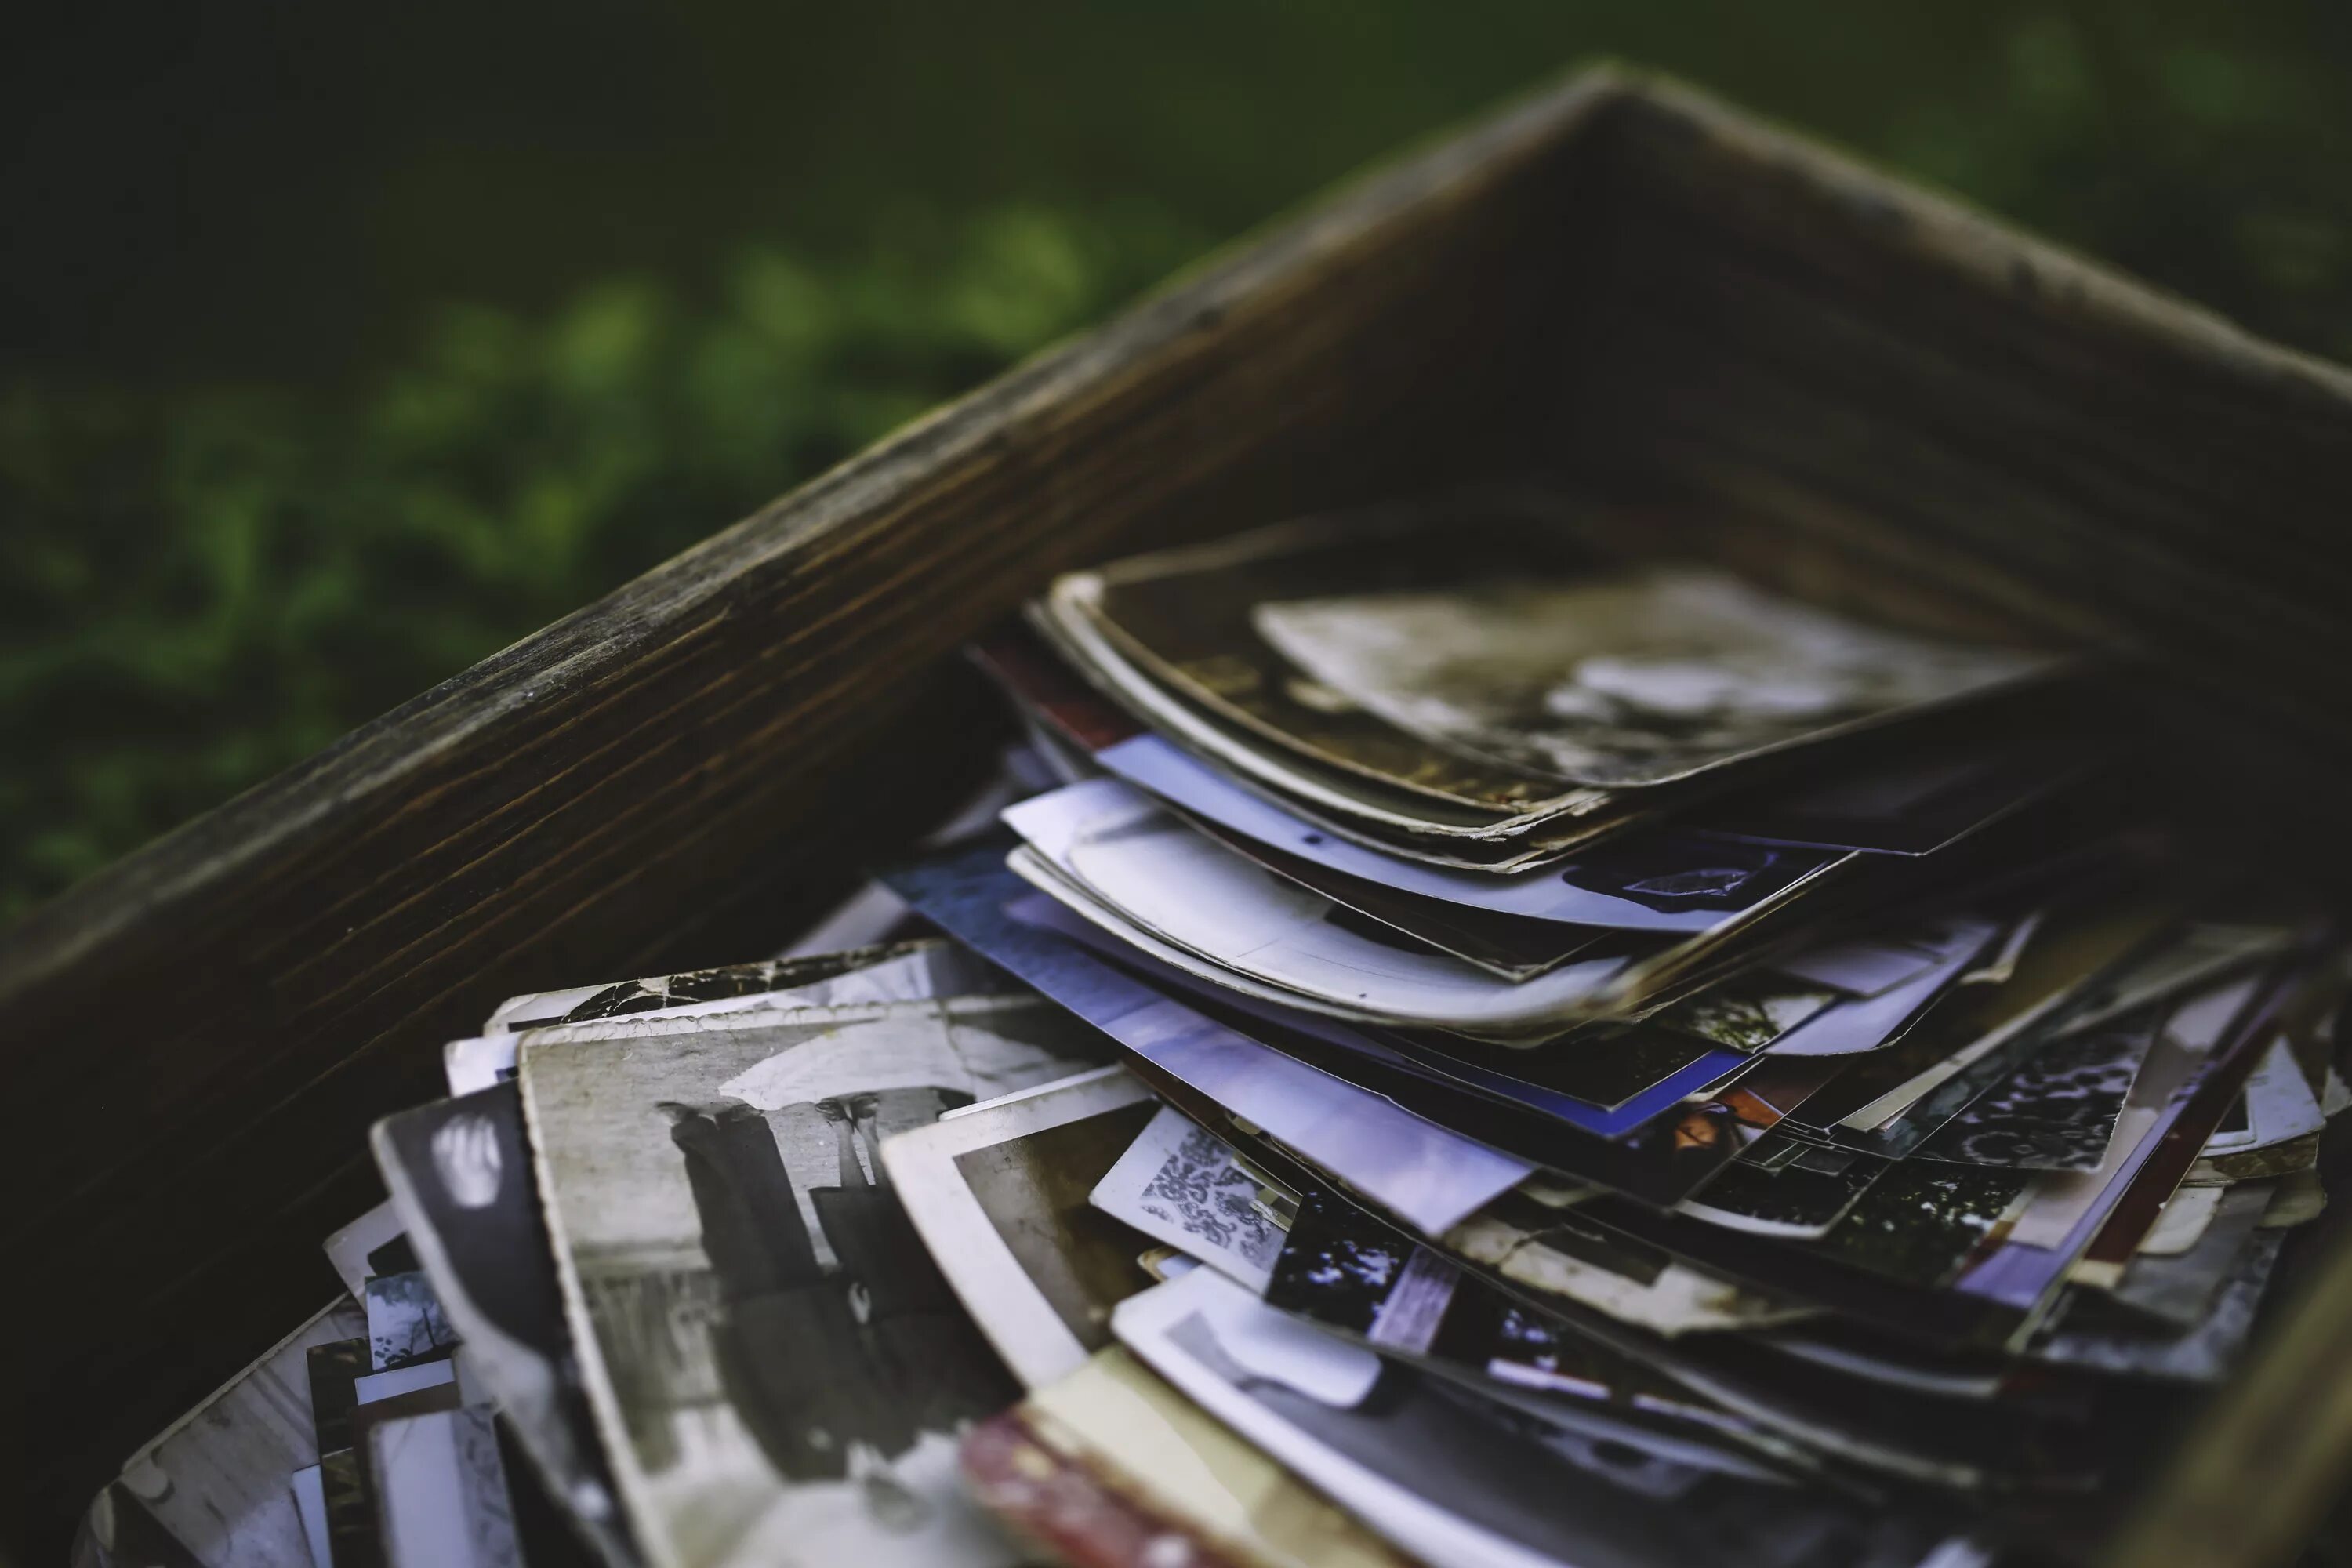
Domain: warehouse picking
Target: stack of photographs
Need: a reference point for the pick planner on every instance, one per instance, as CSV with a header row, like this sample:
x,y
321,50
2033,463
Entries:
x,y
1446,1045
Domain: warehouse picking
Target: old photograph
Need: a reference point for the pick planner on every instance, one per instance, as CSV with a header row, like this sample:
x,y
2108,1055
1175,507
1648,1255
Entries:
x,y
778,1368
460,1174
1185,616
1457,1480
1621,679
1177,1182
1116,1434
1659,880
1000,1194
1430,1176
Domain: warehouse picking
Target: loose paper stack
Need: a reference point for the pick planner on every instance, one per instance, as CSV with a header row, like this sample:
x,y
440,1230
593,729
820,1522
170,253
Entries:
x,y
1461,1049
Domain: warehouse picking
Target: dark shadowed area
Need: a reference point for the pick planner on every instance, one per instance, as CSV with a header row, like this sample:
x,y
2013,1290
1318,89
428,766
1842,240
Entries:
x,y
340,347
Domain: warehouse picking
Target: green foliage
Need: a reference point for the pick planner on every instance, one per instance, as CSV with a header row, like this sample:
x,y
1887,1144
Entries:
x,y
198,590
200,587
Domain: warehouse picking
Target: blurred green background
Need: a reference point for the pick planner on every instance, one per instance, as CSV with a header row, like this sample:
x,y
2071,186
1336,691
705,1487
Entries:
x,y
344,345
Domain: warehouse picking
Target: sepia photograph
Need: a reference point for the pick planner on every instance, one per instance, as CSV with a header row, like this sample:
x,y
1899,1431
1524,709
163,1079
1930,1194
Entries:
x,y
1620,680
1185,617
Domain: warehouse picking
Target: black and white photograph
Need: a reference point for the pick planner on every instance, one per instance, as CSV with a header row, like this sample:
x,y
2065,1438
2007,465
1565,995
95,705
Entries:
x,y
375,1243
1136,1442
1786,1186
899,972
1556,1255
776,1364
1455,1480
1000,1194
2057,1111
460,1174
441,1491
1186,617
1411,1303
406,1322
216,1480
1747,1012
1619,679
1617,845
894,972
1177,1183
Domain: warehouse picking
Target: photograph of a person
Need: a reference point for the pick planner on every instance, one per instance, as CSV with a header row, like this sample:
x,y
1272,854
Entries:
x,y
775,1362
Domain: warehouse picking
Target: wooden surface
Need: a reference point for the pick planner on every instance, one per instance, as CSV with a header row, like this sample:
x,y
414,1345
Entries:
x,y
197,1040
1789,337
1786,358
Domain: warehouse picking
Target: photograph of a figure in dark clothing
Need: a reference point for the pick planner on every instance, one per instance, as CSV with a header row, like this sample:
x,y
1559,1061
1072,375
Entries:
x,y
818,1362
782,1373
